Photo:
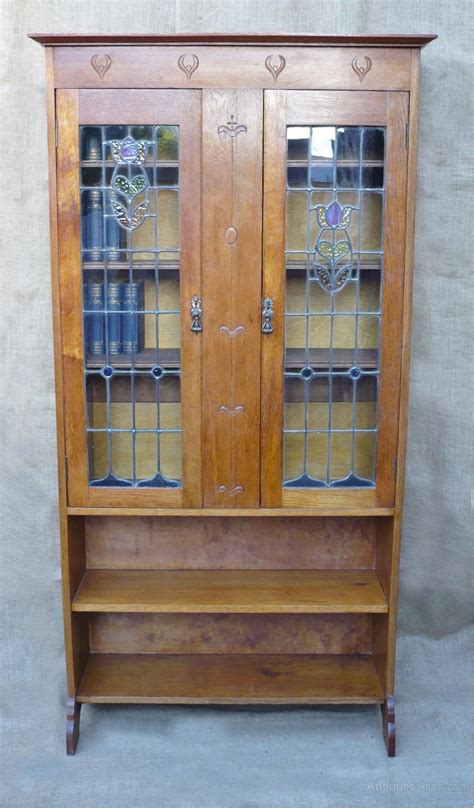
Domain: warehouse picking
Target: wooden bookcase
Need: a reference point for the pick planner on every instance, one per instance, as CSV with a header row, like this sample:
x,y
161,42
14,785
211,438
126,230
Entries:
x,y
232,238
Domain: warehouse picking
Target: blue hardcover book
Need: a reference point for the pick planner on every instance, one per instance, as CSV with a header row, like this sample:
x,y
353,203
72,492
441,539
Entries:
x,y
115,236
85,317
96,326
133,318
92,225
114,317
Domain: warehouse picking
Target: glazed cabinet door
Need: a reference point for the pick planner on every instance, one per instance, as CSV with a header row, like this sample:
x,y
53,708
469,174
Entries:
x,y
129,185
335,166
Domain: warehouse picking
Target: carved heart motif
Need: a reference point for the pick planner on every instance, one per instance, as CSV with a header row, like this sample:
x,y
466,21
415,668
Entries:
x,y
188,63
361,70
101,63
275,69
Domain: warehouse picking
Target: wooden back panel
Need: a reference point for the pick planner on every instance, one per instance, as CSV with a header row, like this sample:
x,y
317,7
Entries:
x,y
182,542
231,634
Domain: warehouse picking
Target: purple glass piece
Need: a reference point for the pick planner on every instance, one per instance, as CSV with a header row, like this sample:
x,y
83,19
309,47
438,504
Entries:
x,y
129,149
334,214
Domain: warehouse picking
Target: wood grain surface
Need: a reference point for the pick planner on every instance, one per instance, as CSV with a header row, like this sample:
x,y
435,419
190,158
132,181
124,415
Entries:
x,y
221,591
234,679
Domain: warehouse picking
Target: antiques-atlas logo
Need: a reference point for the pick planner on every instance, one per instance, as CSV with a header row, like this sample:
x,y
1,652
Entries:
x,y
425,786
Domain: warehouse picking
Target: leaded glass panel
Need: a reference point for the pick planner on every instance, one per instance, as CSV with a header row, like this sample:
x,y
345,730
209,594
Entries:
x,y
131,304
334,269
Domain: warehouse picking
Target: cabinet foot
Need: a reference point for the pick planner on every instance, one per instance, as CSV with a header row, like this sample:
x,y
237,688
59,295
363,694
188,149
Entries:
x,y
73,716
388,719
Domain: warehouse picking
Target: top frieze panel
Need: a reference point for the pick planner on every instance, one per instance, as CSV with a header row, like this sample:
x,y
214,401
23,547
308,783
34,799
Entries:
x,y
241,67
308,40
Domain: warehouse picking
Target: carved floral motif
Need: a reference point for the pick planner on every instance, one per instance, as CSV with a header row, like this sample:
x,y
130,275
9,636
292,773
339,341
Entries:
x,y
101,63
360,69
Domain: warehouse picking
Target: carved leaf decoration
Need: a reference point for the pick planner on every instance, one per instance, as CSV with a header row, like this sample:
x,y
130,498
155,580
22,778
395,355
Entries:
x,y
236,489
130,189
127,222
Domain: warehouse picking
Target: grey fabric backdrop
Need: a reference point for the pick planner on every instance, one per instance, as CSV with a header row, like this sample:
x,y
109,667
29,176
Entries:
x,y
132,756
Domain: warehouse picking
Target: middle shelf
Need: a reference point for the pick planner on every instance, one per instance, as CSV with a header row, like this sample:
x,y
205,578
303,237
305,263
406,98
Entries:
x,y
231,591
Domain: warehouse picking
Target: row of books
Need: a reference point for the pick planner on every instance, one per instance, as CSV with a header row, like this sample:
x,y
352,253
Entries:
x,y
113,317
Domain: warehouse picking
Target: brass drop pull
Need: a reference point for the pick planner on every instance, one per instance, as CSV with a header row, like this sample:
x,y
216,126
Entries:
x,y
196,314
267,316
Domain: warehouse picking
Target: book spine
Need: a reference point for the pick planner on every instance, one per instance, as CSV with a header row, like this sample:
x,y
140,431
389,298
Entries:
x,y
133,318
115,236
85,317
96,321
92,226
114,317
113,233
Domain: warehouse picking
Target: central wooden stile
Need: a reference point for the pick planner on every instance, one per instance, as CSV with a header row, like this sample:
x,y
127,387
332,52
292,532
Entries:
x,y
232,235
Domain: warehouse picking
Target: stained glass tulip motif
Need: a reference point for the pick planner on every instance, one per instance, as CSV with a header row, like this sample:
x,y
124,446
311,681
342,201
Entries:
x,y
129,152
332,257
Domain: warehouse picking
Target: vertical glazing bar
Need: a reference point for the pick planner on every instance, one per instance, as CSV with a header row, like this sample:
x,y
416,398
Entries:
x,y
109,428
105,297
156,273
331,336
307,303
357,292
381,283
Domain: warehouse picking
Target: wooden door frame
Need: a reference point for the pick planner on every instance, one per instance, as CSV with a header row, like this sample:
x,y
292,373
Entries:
x,y
356,108
154,107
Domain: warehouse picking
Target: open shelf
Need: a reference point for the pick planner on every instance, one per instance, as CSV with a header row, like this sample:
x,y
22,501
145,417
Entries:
x,y
146,164
167,358
230,679
225,591
341,358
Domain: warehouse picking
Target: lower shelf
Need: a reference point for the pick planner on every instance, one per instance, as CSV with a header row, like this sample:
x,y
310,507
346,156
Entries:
x,y
230,679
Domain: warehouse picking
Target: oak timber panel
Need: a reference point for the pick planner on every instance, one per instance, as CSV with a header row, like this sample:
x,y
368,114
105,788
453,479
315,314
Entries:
x,y
231,591
230,633
240,68
392,295
232,199
233,679
225,39
222,543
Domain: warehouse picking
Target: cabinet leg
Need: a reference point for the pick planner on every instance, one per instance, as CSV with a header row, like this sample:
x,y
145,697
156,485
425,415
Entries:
x,y
73,717
388,719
